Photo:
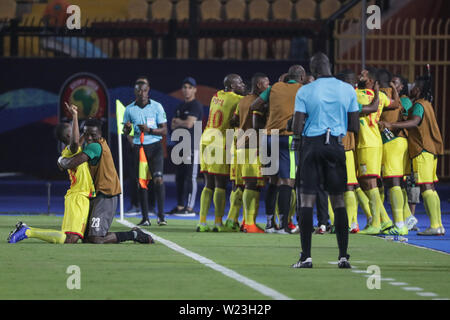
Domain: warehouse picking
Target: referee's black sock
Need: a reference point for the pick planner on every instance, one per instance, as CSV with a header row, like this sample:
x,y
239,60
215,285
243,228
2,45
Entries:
x,y
306,229
284,204
125,236
271,199
341,225
160,194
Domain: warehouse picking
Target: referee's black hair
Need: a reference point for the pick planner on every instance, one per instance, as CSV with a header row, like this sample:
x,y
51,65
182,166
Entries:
x,y
143,78
93,122
423,82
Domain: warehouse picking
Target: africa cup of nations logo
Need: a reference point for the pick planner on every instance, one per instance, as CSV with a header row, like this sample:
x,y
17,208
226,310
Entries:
x,y
88,93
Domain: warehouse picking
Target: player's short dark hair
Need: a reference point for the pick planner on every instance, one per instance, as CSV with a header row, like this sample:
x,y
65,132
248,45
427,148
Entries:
x,y
346,75
405,90
373,73
424,84
256,77
296,72
60,129
384,76
93,122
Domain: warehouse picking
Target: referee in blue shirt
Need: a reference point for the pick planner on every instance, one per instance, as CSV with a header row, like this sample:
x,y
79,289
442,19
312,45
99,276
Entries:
x,y
148,116
324,110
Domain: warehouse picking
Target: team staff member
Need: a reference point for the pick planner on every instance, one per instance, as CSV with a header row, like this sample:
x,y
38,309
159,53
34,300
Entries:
x,y
148,116
424,145
223,104
187,113
281,99
328,105
102,208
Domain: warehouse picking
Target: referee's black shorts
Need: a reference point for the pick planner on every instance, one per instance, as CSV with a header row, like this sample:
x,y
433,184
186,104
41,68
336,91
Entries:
x,y
155,158
322,165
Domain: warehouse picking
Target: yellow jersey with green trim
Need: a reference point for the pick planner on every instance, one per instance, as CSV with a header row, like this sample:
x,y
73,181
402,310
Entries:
x,y
369,135
222,107
80,177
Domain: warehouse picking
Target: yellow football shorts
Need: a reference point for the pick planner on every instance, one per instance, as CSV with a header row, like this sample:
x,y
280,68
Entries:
x,y
395,158
424,166
351,168
248,166
369,161
76,212
213,160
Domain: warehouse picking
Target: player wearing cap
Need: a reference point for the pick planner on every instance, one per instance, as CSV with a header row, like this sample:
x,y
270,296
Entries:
x,y
186,115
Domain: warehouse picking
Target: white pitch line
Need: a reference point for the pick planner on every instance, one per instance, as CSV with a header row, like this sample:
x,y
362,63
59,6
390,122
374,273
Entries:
x,y
398,283
412,289
426,294
269,292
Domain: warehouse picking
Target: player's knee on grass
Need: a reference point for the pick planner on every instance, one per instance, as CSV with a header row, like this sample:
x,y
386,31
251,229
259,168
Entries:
x,y
71,238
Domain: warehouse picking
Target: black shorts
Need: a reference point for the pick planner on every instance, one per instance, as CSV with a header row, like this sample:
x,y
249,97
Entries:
x,y
322,165
155,158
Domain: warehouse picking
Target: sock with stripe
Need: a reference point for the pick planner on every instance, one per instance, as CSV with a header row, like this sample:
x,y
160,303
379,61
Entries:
x,y
205,203
374,203
293,205
47,235
351,206
431,206
219,200
363,202
406,208
438,208
330,212
397,205
250,198
235,204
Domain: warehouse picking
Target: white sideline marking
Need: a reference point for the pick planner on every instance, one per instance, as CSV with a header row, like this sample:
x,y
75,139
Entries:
x,y
211,264
359,271
427,294
398,283
412,289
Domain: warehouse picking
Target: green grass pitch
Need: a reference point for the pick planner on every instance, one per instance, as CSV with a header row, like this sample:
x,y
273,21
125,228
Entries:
x,y
33,269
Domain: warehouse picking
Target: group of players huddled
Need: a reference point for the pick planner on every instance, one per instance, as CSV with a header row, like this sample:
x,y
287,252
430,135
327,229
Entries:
x,y
395,150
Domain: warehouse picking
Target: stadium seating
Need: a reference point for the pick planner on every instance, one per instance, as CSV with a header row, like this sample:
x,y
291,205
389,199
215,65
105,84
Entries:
x,y
235,10
306,9
182,48
206,48
7,9
210,10
281,49
105,45
128,48
137,10
328,7
257,49
282,10
232,49
161,10
259,10
182,10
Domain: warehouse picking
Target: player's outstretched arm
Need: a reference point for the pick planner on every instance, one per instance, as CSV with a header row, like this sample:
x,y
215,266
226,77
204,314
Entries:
x,y
408,124
75,137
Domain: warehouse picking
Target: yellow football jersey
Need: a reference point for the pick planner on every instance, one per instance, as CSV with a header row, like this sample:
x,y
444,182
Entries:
x,y
222,107
369,133
80,177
